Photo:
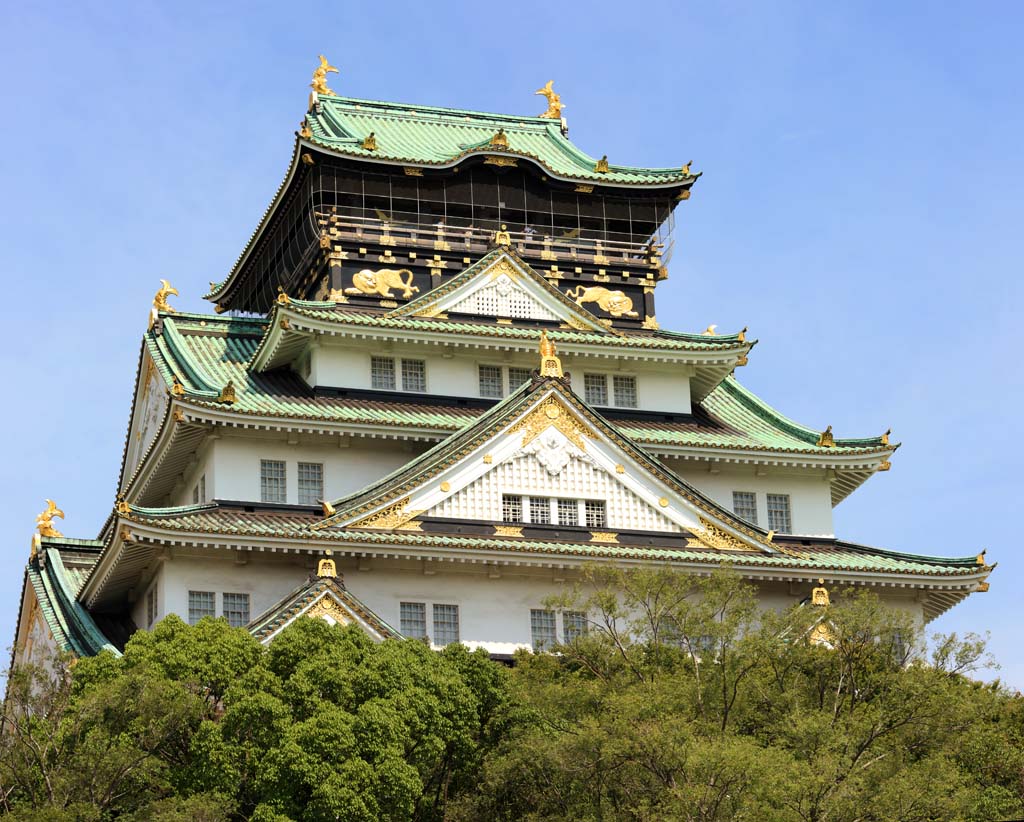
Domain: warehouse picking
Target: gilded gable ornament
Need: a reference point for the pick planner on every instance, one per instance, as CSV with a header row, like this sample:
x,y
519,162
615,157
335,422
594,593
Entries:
x,y
601,166
819,596
615,303
44,522
554,109
825,439
380,282
500,139
326,567
551,414
550,365
503,238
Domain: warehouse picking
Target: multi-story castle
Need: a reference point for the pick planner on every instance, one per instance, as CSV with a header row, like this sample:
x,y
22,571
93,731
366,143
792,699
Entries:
x,y
433,386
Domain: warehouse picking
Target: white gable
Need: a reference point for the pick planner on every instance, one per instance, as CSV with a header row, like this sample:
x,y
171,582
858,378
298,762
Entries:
x,y
551,466
502,297
551,451
508,288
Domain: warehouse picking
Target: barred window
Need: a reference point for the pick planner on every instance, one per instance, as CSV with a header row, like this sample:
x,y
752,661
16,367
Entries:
x,y
311,483
744,504
382,373
574,624
542,628
511,508
595,389
540,510
594,511
273,485
236,609
151,606
413,617
568,512
446,624
518,376
201,604
414,375
490,381
779,518
625,391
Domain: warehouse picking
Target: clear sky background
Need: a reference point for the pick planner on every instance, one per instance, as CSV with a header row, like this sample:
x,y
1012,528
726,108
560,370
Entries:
x,y
860,211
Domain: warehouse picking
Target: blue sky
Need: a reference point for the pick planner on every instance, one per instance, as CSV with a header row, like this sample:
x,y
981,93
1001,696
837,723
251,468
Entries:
x,y
860,211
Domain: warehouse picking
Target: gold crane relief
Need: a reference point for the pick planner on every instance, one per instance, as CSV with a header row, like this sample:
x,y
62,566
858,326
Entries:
x,y
555,106
614,302
382,281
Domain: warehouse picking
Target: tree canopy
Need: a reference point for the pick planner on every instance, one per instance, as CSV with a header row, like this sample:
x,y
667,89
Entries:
x,y
683,700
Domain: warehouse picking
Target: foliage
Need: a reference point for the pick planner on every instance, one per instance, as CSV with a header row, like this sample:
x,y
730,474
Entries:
x,y
684,700
203,723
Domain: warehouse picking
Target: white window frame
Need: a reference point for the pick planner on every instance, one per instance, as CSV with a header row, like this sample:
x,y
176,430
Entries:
x,y
499,385
435,638
788,513
192,620
265,479
405,386
634,389
542,619
594,377
753,505
247,613
374,373
152,605
320,493
419,617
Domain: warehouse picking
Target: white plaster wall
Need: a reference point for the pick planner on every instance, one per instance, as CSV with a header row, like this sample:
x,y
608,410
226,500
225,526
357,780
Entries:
x,y
494,611
663,388
265,582
809,491
232,465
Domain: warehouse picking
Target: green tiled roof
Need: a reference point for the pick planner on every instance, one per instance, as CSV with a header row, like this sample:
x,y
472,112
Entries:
x,y
441,137
57,585
822,556
205,352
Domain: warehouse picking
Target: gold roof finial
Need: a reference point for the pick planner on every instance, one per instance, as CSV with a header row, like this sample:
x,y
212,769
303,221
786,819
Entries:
x,y
819,596
601,166
319,84
710,330
686,168
885,436
980,559
554,111
44,522
742,336
305,132
825,439
370,142
160,301
503,237
550,365
227,394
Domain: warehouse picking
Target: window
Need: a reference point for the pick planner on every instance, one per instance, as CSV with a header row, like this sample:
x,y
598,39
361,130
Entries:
x,y
595,389
779,518
568,512
744,504
511,508
625,391
575,625
236,609
413,619
382,373
195,495
490,381
273,487
518,376
446,624
540,510
199,492
151,606
542,629
201,604
414,375
311,483
594,511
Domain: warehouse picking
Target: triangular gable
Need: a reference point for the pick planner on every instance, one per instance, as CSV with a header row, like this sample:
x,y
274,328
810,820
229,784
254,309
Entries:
x,y
323,598
544,441
501,285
